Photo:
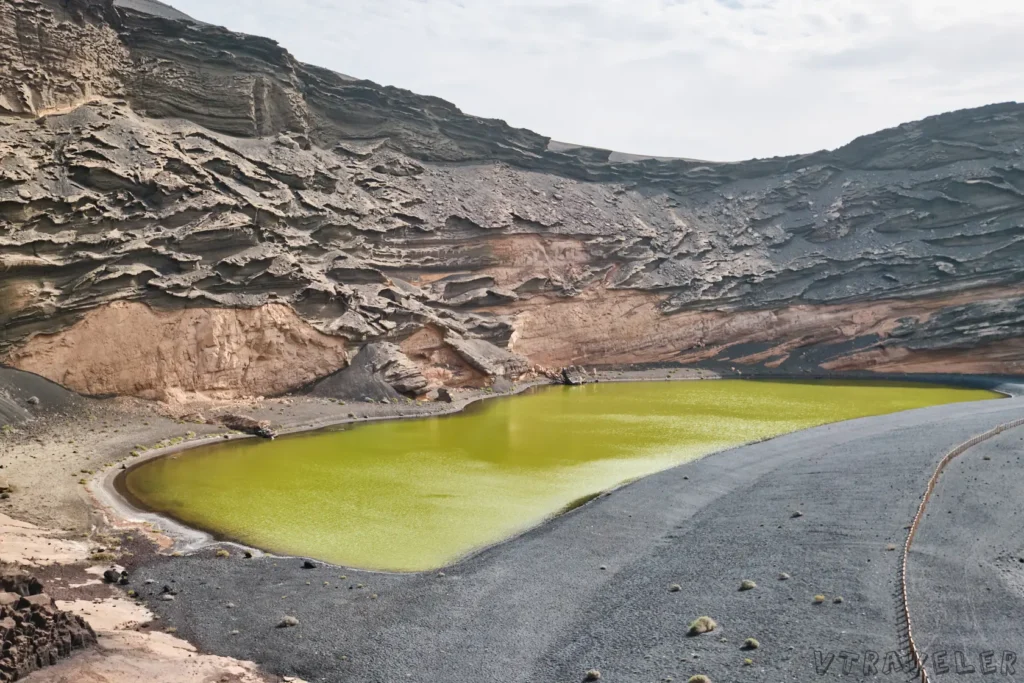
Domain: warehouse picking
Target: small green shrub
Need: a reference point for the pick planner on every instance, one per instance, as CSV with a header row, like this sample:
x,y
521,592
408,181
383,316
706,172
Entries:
x,y
702,625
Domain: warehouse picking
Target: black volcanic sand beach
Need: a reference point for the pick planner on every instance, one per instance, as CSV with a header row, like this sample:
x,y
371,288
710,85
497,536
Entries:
x,y
591,590
967,576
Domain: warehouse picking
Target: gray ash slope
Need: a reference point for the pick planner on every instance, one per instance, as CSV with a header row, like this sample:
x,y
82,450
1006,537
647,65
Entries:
x,y
149,158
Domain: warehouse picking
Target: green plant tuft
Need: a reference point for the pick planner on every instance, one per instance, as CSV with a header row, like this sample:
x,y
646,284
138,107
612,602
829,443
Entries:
x,y
702,625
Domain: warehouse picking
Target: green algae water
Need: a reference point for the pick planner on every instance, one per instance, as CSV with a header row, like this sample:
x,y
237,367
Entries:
x,y
418,494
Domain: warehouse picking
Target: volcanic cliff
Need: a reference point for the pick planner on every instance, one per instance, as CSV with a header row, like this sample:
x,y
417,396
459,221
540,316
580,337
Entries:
x,y
187,210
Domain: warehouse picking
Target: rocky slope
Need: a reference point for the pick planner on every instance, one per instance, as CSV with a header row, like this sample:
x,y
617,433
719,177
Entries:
x,y
184,209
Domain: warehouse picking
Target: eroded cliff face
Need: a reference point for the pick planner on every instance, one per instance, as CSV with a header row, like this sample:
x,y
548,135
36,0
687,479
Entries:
x,y
215,183
128,348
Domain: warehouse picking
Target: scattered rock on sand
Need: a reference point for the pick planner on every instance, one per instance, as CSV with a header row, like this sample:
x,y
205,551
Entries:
x,y
592,675
288,622
248,425
575,376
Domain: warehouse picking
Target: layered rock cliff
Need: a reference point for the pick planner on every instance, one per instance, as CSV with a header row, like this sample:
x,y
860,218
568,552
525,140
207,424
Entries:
x,y
187,209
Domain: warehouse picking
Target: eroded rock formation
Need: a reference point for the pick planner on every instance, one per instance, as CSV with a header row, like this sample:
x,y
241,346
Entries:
x,y
232,221
33,633
126,347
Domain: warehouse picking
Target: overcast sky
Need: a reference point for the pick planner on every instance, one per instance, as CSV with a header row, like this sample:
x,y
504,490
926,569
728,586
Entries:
x,y
708,79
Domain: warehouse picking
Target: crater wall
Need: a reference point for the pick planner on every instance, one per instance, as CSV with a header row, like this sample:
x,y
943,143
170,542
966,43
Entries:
x,y
258,221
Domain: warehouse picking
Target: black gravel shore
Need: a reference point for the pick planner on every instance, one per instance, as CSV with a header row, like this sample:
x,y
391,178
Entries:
x,y
591,590
967,566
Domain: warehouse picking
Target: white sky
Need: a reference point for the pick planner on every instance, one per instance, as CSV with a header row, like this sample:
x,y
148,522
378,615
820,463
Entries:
x,y
707,79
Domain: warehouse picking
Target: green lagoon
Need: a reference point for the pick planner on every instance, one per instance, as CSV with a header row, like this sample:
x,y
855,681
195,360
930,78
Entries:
x,y
411,495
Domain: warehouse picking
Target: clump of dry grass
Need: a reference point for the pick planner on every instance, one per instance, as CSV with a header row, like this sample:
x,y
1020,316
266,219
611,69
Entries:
x,y
751,644
702,625
699,678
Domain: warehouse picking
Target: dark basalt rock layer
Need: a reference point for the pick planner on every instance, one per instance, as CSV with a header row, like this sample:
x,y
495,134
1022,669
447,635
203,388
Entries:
x,y
148,158
34,634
